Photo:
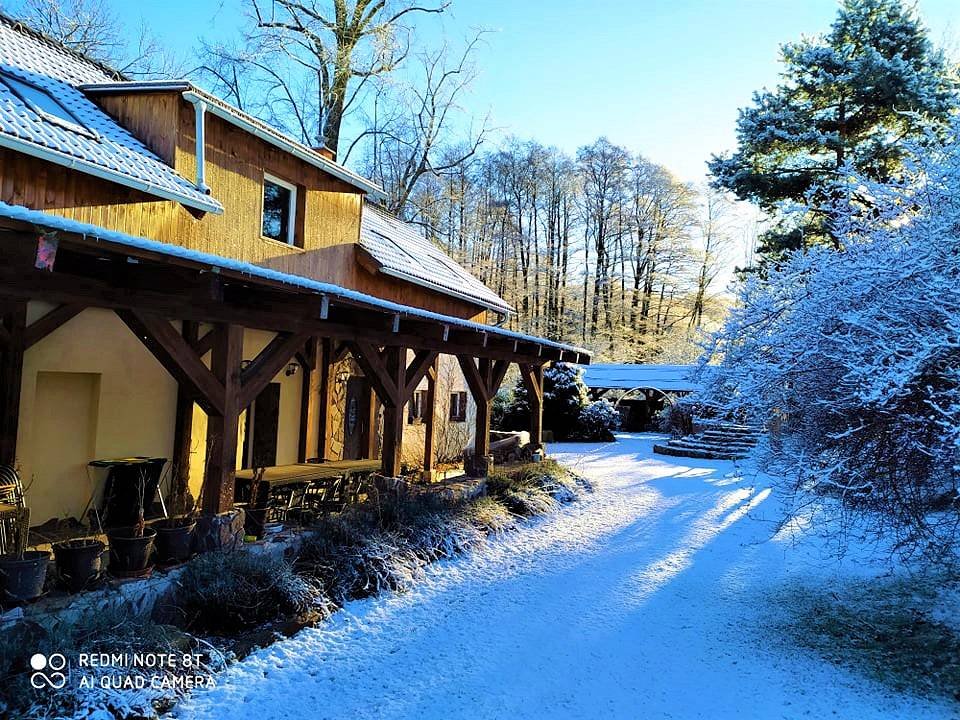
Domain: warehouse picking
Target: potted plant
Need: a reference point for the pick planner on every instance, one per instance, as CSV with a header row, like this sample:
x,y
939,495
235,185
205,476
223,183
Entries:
x,y
175,534
22,572
131,548
175,538
79,562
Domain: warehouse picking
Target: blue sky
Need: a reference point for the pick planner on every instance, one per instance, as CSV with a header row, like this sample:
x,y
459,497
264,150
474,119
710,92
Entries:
x,y
662,77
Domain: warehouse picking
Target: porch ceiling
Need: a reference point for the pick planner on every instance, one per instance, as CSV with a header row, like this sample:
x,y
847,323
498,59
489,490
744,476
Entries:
x,y
98,268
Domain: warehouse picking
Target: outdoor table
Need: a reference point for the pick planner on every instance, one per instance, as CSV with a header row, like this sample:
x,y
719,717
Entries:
x,y
122,492
278,476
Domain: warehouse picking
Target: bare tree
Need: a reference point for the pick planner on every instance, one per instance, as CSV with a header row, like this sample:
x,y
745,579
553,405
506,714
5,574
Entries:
x,y
90,27
309,62
715,221
416,139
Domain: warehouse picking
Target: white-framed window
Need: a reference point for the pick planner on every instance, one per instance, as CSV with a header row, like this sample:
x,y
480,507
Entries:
x,y
458,407
45,105
416,408
279,210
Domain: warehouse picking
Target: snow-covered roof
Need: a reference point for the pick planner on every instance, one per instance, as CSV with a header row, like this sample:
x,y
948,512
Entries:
x,y
401,251
217,263
99,146
627,376
239,118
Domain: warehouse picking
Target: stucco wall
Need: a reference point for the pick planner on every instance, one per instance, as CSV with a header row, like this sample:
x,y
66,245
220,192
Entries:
x,y
134,411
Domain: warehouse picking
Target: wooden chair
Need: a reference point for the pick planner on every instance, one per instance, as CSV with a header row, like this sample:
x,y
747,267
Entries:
x,y
11,489
14,529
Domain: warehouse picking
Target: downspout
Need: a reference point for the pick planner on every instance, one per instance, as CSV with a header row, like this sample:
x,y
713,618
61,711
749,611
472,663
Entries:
x,y
200,111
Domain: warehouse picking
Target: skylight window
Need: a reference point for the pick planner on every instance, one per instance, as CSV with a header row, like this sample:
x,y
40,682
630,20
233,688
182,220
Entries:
x,y
45,105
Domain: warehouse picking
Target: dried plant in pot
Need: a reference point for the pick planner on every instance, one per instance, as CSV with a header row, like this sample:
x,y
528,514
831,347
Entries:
x,y
79,562
22,572
131,548
174,538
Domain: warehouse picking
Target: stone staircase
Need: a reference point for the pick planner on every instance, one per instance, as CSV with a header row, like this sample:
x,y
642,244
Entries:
x,y
719,441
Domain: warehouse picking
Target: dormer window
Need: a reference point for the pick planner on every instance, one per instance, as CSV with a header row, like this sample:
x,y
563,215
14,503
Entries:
x,y
279,210
45,105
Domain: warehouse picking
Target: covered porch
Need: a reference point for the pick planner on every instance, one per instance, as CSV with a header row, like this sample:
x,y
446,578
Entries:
x,y
191,312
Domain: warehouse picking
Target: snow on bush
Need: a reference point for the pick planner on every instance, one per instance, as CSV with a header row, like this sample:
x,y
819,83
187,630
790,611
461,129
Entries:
x,y
851,358
564,397
597,422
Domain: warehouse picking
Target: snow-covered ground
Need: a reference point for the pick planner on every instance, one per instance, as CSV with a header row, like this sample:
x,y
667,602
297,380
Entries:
x,y
650,599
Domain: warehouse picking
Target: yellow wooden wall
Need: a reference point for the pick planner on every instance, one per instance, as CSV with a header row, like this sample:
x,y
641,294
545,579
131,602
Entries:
x,y
236,161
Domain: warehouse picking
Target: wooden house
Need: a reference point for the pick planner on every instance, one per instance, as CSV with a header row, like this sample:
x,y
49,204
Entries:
x,y
179,279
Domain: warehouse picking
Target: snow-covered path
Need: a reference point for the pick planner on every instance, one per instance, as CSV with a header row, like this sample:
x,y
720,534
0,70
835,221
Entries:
x,y
647,600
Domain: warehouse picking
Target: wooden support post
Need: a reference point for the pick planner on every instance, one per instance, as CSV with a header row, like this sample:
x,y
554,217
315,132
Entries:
x,y
183,435
309,405
481,444
14,320
372,420
222,428
532,376
483,378
324,397
429,423
393,420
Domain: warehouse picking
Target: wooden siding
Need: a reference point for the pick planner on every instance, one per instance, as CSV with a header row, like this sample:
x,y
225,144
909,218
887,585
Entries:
x,y
328,222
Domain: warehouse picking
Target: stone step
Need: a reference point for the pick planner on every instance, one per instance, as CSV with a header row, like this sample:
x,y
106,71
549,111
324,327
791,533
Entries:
x,y
693,443
726,437
731,430
697,454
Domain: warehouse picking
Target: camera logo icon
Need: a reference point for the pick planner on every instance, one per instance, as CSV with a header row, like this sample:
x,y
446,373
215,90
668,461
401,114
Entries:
x,y
47,671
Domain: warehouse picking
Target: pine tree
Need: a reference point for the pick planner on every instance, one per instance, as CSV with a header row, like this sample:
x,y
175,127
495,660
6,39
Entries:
x,y
850,97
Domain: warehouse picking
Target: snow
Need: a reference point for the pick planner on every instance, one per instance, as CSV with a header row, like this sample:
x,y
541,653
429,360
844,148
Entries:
x,y
217,263
651,598
628,376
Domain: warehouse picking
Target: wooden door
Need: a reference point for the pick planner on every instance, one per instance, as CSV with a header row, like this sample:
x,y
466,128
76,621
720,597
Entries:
x,y
355,419
263,427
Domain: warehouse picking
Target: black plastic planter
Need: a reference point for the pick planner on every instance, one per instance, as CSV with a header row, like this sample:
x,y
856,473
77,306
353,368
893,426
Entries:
x,y
22,576
174,539
79,562
130,553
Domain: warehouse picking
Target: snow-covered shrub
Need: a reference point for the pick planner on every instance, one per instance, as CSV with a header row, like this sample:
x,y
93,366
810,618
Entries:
x,y
564,397
676,418
597,422
488,515
112,630
223,592
851,358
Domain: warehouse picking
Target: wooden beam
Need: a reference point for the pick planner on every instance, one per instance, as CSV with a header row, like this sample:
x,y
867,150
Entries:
x,y
422,362
377,373
309,401
475,381
182,436
429,422
178,357
481,440
532,377
223,427
6,341
500,368
14,320
39,329
325,385
393,416
267,364
204,344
